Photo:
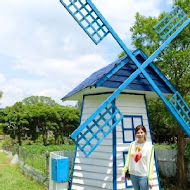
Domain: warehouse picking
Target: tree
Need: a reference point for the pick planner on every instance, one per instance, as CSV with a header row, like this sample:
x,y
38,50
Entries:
x,y
68,120
32,117
17,121
2,121
40,116
174,63
1,116
39,99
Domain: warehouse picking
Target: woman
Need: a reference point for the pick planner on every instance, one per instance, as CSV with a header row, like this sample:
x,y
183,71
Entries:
x,y
139,161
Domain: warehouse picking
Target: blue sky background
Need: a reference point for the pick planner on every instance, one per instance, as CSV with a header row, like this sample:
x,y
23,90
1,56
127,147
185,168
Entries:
x,y
44,52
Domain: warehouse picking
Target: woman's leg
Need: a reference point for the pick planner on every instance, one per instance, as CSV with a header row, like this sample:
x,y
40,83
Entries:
x,y
135,181
143,183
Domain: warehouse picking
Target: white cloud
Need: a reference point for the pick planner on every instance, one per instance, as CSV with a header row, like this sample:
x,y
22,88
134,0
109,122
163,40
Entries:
x,y
169,2
2,79
120,14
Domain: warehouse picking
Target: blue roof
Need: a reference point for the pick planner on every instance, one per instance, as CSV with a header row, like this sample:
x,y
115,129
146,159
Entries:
x,y
116,78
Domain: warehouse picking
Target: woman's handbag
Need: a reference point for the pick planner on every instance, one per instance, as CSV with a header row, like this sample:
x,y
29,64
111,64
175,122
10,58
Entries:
x,y
127,175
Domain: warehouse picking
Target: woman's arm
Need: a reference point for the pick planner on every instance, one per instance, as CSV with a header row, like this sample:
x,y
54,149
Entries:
x,y
126,167
151,167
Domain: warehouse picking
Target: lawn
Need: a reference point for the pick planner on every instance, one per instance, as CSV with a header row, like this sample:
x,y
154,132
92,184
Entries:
x,y
12,178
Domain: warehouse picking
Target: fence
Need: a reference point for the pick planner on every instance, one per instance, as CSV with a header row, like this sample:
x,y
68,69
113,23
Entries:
x,y
39,161
11,150
166,160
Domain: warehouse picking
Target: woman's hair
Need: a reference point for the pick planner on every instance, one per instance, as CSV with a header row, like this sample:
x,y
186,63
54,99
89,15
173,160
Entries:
x,y
138,127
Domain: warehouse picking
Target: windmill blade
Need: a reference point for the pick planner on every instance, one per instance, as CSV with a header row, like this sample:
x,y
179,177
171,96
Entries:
x,y
171,22
87,18
90,134
181,108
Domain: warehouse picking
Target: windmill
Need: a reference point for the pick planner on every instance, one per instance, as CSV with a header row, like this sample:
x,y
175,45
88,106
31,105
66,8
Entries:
x,y
107,116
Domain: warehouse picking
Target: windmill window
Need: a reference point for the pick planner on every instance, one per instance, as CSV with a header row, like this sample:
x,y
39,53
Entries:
x,y
129,123
137,121
128,135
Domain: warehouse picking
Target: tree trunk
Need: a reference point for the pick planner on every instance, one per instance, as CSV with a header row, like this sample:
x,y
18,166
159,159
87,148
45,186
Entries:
x,y
44,136
182,179
44,139
19,136
55,138
62,140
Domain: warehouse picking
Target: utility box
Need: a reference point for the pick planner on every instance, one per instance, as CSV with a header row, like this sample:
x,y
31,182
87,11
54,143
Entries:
x,y
60,169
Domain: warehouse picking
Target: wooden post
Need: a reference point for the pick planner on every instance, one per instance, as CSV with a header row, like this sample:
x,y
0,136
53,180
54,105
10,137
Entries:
x,y
47,161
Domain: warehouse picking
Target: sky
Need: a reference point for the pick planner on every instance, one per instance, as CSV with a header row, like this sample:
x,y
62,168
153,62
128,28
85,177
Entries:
x,y
44,52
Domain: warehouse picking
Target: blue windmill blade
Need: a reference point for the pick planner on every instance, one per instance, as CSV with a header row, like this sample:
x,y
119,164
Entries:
x,y
87,138
171,22
181,107
87,18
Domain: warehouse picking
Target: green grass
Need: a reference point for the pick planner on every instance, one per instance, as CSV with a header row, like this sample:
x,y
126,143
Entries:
x,y
12,178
